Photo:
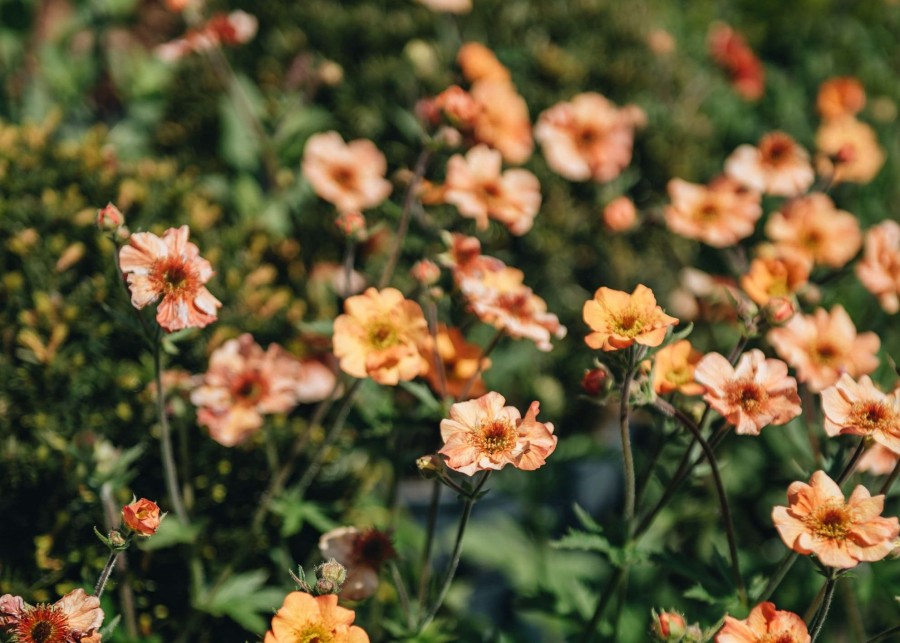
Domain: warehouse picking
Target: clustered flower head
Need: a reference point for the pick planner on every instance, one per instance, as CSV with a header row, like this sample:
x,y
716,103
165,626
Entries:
x,y
619,320
765,624
303,617
841,532
142,517
348,175
74,618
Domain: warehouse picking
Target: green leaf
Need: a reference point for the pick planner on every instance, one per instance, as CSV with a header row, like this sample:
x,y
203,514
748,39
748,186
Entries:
x,y
586,520
243,598
295,513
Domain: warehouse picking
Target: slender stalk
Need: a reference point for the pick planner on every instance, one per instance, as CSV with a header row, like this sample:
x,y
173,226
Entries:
x,y
425,567
464,393
813,610
608,592
887,635
432,317
402,594
165,436
126,595
411,195
104,575
624,433
886,487
830,584
852,462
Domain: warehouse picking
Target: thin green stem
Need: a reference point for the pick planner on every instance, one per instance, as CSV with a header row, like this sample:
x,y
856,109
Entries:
x,y
165,436
830,584
852,462
608,592
644,479
887,635
624,433
402,594
412,193
886,487
425,567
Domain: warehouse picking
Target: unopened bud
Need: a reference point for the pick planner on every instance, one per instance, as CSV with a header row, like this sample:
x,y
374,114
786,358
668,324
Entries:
x,y
426,272
779,310
352,224
116,539
620,214
595,381
110,217
668,626
430,466
330,577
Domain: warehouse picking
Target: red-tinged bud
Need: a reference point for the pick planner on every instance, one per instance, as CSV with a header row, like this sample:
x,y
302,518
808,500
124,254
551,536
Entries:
x,y
426,272
110,217
595,381
779,310
668,626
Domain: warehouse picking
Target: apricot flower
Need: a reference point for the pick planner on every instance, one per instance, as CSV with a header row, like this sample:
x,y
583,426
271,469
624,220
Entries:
x,y
620,214
878,460
772,276
348,175
777,165
841,533
842,96
673,369
502,121
861,409
460,360
765,624
479,63
303,617
620,320
720,214
813,228
848,150
879,268
74,618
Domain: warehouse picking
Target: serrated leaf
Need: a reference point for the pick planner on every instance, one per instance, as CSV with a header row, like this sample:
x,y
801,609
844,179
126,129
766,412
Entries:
x,y
586,520
243,598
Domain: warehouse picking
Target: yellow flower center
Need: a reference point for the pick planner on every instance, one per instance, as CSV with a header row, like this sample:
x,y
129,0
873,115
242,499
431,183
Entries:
x,y
680,375
628,324
747,395
383,334
314,633
870,416
832,520
494,437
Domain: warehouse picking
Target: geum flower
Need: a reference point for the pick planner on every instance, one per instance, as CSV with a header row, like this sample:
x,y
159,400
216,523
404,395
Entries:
x,y
348,175
74,618
765,624
841,96
754,394
841,533
484,434
170,268
362,553
777,165
773,275
879,268
848,150
812,228
142,517
719,214
673,369
305,618
878,460
853,408
620,320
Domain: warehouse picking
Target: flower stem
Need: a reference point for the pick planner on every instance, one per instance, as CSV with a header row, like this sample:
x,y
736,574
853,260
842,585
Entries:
x,y
627,455
402,594
408,200
104,575
885,636
425,568
165,436
608,592
819,622
851,463
891,479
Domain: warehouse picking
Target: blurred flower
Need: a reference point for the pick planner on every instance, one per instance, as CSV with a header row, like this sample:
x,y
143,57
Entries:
x,y
352,224
457,107
842,96
362,553
840,533
483,434
478,63
824,345
110,217
620,214
620,320
776,166
878,460
477,188
169,267
773,276
853,408
448,6
303,617
243,383
730,51
426,272
142,517
74,618
661,42
812,228
502,121
720,214
588,137
460,360
848,151
673,369
764,624
701,295
332,276
879,268
780,309
348,175
235,28
754,394
382,335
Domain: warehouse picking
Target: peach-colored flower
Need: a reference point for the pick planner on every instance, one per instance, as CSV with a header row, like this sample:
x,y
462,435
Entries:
x,y
476,186
720,214
243,383
142,516
484,434
460,360
878,460
620,320
235,28
448,6
362,553
754,394
588,137
848,151
765,624
458,107
620,214
673,369
773,276
479,63
841,533
824,345
842,96
303,617
502,121
74,618
348,175
169,267
777,165
813,228
382,335
661,42
879,268
731,52
861,409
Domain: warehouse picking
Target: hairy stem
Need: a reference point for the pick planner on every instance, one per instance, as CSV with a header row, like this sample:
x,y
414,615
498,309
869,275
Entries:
x,y
165,436
830,584
425,567
104,575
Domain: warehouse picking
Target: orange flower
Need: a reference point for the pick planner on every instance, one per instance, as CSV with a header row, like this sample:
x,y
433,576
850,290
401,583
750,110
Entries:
x,y
479,63
840,533
169,267
673,369
754,394
362,553
812,228
382,335
348,175
620,320
843,96
879,268
620,214
720,214
731,52
244,383
74,618
477,188
142,517
772,276
824,345
502,121
303,617
776,166
848,151
861,409
588,138
878,460
460,360
483,434
765,624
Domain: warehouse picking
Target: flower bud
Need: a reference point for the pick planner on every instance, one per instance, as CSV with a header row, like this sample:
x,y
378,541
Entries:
x,y
352,224
668,626
426,272
116,539
110,217
595,381
330,577
430,466
142,517
620,214
779,310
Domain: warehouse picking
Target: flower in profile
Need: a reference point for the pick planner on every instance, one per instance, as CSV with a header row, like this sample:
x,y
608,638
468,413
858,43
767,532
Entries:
x,y
848,151
861,409
765,624
813,228
478,189
478,63
457,107
588,138
348,175
777,165
74,618
878,460
142,517
775,275
502,121
382,335
824,345
673,369
620,320
731,52
170,268
303,617
460,359
362,553
244,383
879,268
484,434
720,214
841,96
841,533
620,214
754,394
